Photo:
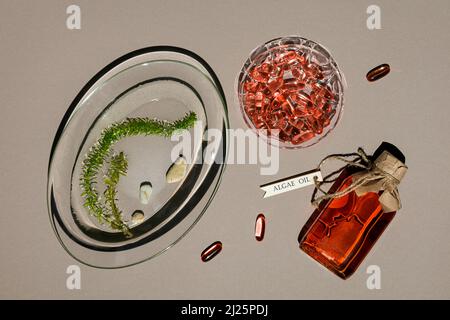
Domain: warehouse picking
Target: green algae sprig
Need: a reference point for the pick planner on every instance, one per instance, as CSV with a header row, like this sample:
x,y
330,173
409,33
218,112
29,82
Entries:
x,y
108,211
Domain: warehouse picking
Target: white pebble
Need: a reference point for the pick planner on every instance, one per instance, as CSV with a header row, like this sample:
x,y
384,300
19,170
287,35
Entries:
x,y
145,191
137,217
177,171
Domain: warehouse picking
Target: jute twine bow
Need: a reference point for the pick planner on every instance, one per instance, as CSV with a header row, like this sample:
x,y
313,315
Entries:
x,y
371,178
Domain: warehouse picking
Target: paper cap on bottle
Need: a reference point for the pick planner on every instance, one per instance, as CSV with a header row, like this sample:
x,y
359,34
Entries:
x,y
389,147
389,159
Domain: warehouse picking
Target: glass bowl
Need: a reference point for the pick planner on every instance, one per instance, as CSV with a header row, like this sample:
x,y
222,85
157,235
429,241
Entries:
x,y
291,92
157,82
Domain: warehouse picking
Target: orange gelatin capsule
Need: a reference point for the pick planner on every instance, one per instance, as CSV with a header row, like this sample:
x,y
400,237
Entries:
x,y
256,75
301,137
274,84
251,86
211,251
260,227
266,68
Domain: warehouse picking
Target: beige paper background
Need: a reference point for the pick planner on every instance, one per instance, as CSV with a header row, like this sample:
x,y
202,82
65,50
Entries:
x,y
43,66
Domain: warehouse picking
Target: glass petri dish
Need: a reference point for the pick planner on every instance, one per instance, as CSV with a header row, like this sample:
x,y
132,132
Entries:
x,y
157,82
291,91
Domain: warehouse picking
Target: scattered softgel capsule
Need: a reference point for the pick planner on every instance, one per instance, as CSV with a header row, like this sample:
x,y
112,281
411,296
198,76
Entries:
x,y
211,251
260,227
378,72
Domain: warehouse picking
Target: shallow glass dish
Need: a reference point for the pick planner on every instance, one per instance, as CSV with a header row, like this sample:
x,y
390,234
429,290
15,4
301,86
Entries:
x,y
291,91
157,82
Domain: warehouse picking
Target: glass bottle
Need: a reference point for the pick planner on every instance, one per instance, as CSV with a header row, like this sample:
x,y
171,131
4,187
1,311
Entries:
x,y
341,232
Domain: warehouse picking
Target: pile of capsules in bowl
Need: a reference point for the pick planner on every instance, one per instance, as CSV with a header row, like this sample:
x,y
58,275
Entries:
x,y
292,91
